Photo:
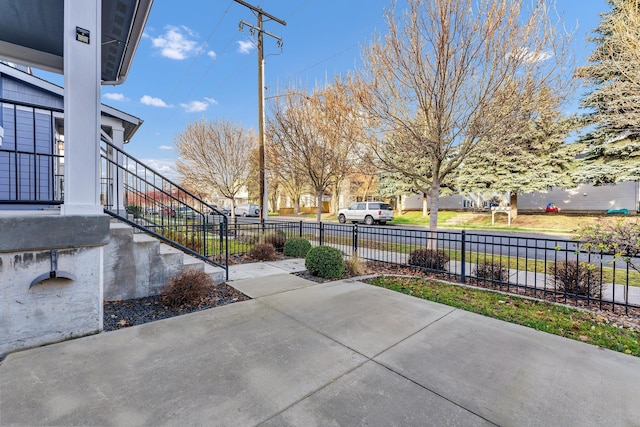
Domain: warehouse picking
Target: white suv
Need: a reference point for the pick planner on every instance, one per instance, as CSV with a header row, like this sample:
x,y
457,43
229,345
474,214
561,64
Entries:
x,y
367,212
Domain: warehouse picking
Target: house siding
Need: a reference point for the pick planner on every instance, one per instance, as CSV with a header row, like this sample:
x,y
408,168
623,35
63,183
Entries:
x,y
585,197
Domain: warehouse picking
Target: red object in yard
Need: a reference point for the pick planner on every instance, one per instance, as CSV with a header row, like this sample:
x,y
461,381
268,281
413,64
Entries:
x,y
551,207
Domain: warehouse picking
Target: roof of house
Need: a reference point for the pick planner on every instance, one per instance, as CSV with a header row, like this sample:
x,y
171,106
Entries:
x,y
32,33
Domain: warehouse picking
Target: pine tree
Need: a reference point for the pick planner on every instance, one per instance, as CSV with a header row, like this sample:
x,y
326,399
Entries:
x,y
531,157
614,102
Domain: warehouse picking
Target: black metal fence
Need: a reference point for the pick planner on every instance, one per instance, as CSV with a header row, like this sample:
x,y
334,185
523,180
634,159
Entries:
x,y
552,268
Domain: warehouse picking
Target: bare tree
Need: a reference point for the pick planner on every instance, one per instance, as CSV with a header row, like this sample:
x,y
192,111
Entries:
x,y
623,45
315,133
430,81
215,156
284,169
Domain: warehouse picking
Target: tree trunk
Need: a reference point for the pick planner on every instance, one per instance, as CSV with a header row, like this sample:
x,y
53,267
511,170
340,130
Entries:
x,y
425,208
513,202
335,199
296,205
319,193
433,214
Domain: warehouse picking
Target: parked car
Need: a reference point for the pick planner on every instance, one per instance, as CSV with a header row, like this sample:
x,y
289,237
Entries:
x,y
247,209
367,212
186,212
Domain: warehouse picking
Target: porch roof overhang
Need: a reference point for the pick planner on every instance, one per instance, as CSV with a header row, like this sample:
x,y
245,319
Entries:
x,y
32,33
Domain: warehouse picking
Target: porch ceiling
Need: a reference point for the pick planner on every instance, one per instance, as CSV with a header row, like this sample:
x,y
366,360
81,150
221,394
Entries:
x,y
31,33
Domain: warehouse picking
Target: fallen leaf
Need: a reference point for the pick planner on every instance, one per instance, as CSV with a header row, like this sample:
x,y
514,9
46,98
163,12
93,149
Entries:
x,y
584,338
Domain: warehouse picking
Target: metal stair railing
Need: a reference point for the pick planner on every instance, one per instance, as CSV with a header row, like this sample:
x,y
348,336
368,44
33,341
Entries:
x,y
136,194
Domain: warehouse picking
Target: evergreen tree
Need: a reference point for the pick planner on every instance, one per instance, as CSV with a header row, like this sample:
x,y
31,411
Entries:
x,y
613,103
531,157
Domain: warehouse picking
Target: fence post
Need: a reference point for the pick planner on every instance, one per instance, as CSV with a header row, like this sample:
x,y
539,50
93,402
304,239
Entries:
x,y
355,238
463,259
300,228
321,234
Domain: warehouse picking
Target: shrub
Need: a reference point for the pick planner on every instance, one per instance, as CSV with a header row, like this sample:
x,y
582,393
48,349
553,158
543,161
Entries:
x,y
263,252
277,238
189,240
297,247
580,278
354,265
325,261
491,271
247,238
429,259
187,288
135,210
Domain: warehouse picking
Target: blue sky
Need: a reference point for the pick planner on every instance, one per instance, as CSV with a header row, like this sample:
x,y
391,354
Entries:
x,y
193,62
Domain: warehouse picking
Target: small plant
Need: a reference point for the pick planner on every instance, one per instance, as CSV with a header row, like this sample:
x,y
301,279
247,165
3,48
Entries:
x,y
297,247
263,252
247,238
491,271
187,288
429,259
325,261
192,241
580,278
277,238
135,210
354,265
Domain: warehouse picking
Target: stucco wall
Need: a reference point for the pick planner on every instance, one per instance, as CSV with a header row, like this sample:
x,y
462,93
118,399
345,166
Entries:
x,y
54,309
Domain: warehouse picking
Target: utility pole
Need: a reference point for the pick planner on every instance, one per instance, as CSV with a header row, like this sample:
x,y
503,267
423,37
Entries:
x,y
264,196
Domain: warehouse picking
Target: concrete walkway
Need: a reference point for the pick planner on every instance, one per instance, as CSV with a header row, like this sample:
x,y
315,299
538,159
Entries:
x,y
304,354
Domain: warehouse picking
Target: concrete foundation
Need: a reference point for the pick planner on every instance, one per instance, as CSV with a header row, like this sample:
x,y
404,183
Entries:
x,y
52,309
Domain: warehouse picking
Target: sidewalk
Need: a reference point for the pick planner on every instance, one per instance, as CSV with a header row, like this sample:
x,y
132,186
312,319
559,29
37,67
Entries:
x,y
307,354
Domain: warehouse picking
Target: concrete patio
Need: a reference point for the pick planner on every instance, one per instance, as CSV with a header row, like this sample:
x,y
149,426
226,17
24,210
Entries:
x,y
308,354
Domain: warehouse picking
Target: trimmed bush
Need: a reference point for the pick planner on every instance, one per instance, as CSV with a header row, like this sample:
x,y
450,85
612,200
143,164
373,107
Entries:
x,y
325,261
277,238
491,271
580,278
297,247
263,252
188,288
429,259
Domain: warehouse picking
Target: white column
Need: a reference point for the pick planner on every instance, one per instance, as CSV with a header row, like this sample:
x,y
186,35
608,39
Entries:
x,y
82,107
116,172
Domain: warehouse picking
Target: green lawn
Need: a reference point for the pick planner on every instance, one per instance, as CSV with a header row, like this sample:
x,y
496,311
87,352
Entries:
x,y
544,316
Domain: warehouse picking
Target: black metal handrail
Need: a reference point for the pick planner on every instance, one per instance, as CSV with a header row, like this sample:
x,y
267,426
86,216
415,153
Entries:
x,y
138,195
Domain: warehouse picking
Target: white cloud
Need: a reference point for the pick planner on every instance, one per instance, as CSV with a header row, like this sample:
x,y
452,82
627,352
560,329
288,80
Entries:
x,y
245,47
211,54
115,96
211,101
154,102
175,42
165,147
166,167
194,106
530,57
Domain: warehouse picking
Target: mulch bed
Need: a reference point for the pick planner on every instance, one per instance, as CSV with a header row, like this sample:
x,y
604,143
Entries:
x,y
121,314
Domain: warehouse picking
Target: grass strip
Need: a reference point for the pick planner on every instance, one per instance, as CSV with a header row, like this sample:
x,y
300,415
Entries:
x,y
555,319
